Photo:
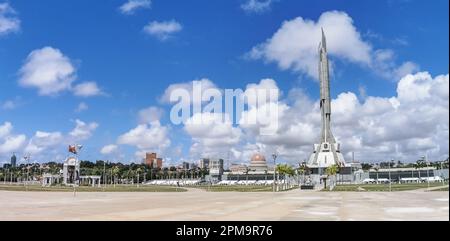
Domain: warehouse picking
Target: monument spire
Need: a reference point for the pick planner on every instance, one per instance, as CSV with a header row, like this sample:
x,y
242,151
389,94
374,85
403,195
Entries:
x,y
326,153
324,40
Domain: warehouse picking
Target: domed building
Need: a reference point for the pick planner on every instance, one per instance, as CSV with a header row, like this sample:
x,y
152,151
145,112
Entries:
x,y
258,163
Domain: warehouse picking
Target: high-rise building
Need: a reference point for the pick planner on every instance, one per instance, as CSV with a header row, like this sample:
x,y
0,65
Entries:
x,y
204,163
152,160
159,163
13,161
216,167
185,165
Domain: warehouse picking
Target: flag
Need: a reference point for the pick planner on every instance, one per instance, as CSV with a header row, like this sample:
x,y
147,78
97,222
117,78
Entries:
x,y
73,149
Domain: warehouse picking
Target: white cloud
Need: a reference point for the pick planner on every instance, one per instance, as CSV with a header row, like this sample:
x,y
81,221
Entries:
x,y
150,114
9,23
51,72
43,146
10,142
256,6
87,89
82,130
42,141
405,69
204,84
81,107
163,30
262,91
109,149
213,134
294,46
383,63
132,6
403,127
5,129
48,70
151,136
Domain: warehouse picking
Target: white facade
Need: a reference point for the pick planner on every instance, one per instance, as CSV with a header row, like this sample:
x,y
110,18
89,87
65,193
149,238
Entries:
x,y
71,171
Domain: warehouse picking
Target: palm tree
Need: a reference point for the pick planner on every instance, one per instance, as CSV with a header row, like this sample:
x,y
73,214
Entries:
x,y
302,170
376,167
331,171
115,171
419,165
285,170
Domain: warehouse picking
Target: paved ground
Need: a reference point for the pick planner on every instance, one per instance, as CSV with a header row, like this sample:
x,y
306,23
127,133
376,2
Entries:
x,y
200,205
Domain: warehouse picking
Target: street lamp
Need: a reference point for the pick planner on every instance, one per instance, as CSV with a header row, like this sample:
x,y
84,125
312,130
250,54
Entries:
x,y
27,159
274,156
390,182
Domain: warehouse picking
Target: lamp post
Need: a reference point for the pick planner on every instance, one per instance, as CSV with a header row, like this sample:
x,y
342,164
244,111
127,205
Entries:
x,y
104,175
274,156
428,170
390,182
27,159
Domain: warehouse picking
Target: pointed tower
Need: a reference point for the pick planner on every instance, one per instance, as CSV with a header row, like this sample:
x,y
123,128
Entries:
x,y
328,152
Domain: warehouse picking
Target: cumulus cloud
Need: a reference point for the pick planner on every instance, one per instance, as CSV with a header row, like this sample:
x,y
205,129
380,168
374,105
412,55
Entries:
x,y
48,70
9,23
109,149
212,134
42,141
5,129
152,137
82,130
163,30
42,145
203,85
256,6
87,89
132,6
402,127
51,72
294,46
10,142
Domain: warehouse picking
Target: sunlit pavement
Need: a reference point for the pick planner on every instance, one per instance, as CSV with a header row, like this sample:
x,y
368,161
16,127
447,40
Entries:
x,y
201,205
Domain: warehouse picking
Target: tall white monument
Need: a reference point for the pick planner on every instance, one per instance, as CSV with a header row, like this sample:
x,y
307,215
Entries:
x,y
328,152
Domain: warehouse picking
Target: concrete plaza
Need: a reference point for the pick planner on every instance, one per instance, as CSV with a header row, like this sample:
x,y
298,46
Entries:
x,y
200,205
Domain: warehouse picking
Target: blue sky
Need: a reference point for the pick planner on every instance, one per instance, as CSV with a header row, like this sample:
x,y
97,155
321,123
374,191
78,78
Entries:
x,y
132,67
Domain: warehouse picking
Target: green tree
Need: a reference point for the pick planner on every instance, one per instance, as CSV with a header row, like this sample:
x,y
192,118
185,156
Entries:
x,y
419,165
115,172
331,171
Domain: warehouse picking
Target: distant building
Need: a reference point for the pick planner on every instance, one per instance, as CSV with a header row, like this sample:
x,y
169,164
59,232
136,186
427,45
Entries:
x,y
152,160
258,163
194,166
238,168
185,165
216,169
13,161
204,163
